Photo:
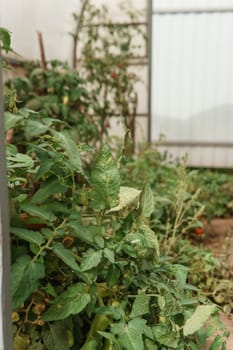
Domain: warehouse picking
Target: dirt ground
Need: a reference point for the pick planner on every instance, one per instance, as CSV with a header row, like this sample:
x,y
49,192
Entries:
x,y
220,232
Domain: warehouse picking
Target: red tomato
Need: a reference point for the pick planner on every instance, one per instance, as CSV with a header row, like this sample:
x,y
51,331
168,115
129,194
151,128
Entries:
x,y
113,75
199,231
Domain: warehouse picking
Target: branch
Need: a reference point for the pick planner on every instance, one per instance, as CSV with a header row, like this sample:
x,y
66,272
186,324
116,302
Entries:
x,y
77,31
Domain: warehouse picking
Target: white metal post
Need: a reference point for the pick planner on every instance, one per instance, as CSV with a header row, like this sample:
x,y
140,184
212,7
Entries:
x,y
5,294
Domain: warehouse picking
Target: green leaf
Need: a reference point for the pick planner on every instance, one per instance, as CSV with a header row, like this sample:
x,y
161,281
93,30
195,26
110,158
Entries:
x,y
70,302
149,345
58,337
113,275
44,168
90,259
19,160
166,336
47,189
193,346
197,320
217,343
146,201
92,344
38,211
97,232
128,196
25,279
35,128
35,346
81,232
181,273
116,312
5,39
11,120
161,302
151,239
27,235
109,254
130,335
110,337
71,149
66,256
140,306
105,181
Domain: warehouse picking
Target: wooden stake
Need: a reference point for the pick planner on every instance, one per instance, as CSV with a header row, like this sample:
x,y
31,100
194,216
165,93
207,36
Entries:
x,y
42,51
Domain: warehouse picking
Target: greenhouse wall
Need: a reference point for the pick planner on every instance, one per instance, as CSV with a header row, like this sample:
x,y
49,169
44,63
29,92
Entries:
x,y
192,80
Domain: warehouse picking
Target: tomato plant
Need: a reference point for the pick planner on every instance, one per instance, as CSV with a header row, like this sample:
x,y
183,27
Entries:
x,y
61,97
106,50
97,263
86,262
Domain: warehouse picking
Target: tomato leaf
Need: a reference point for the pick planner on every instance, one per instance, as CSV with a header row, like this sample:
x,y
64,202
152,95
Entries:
x,y
70,302
146,202
71,150
25,279
28,235
58,337
105,181
35,210
66,256
11,120
90,259
47,189
81,232
128,196
197,320
166,336
140,306
130,335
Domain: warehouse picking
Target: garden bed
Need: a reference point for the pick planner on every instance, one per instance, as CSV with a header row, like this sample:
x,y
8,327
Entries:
x,y
220,241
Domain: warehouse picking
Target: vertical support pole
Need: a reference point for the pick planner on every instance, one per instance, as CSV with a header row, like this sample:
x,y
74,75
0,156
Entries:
x,y
5,291
149,55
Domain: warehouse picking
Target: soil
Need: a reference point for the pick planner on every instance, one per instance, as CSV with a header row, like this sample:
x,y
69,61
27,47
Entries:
x,y
220,241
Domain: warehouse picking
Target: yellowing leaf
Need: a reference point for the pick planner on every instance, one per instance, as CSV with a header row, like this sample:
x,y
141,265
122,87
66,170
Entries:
x,y
147,201
197,320
105,181
128,196
21,342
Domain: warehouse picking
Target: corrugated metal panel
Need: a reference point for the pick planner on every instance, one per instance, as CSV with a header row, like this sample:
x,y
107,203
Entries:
x,y
192,80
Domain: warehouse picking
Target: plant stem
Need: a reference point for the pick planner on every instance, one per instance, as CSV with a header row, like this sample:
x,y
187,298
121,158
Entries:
x,y
79,20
